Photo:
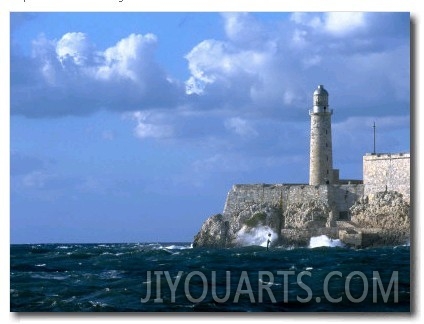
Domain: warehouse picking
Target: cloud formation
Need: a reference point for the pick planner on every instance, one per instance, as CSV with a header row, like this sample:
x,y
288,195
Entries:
x,y
145,128
276,73
70,77
335,23
73,47
249,91
261,67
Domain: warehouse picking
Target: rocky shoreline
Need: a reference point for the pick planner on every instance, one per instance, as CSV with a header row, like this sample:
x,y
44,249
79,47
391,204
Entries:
x,y
379,219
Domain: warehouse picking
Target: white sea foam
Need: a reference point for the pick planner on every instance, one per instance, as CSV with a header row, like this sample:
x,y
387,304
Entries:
x,y
50,276
111,274
63,247
178,247
324,240
255,236
270,283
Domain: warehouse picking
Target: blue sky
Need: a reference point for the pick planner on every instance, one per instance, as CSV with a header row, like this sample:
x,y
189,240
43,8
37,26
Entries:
x,y
132,127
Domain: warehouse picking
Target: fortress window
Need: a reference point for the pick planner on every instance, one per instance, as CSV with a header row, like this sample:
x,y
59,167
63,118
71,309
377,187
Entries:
x,y
327,171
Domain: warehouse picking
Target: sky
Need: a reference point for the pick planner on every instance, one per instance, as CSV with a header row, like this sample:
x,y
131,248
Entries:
x,y
132,127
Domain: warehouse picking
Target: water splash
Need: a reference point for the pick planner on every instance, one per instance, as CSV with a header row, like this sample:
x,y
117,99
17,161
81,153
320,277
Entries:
x,y
324,240
255,236
179,247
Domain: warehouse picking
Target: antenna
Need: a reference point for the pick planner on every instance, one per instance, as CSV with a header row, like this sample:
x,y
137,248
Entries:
x,y
374,136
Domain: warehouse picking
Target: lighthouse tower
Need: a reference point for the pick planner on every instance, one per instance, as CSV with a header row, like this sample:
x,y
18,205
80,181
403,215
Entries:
x,y
321,152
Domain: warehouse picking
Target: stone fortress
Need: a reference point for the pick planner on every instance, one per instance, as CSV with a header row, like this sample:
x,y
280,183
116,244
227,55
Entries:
x,y
369,212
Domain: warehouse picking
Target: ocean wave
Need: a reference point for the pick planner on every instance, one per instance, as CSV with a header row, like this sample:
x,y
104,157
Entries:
x,y
255,236
324,241
178,247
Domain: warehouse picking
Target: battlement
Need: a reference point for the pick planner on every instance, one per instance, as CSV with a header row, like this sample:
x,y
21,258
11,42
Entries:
x,y
383,156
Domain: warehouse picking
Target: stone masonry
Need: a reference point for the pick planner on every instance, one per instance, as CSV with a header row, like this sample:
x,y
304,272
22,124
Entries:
x,y
385,171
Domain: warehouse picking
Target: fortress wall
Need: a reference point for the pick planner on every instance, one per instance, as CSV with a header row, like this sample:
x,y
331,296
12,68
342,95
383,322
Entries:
x,y
341,196
345,195
241,196
387,172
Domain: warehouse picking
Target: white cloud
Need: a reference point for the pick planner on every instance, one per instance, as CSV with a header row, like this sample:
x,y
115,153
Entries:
x,y
258,69
146,128
49,73
312,61
70,78
128,58
284,66
243,30
335,23
43,52
307,19
203,60
298,17
73,46
208,61
342,23
234,24
241,127
36,179
222,70
299,38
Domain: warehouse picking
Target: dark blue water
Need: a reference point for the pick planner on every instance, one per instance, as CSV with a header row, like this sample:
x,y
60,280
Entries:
x,y
172,277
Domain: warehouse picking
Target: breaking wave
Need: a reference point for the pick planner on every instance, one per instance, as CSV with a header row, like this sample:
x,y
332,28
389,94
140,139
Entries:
x,y
324,240
179,247
255,236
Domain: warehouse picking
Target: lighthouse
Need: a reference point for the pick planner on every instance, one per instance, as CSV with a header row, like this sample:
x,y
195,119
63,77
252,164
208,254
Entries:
x,y
321,152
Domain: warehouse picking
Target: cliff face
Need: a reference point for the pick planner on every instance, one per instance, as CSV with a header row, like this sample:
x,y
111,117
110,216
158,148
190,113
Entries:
x,y
292,214
251,222
237,229
387,213
213,233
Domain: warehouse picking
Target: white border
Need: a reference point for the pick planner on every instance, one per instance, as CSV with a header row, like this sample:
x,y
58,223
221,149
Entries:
x,y
208,5
6,6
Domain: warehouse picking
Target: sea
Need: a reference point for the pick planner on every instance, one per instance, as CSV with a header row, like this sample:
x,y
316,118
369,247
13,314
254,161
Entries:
x,y
174,277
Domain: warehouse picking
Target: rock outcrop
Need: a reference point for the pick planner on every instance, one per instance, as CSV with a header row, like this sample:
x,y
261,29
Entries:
x,y
386,214
230,230
308,214
292,225
378,219
213,233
